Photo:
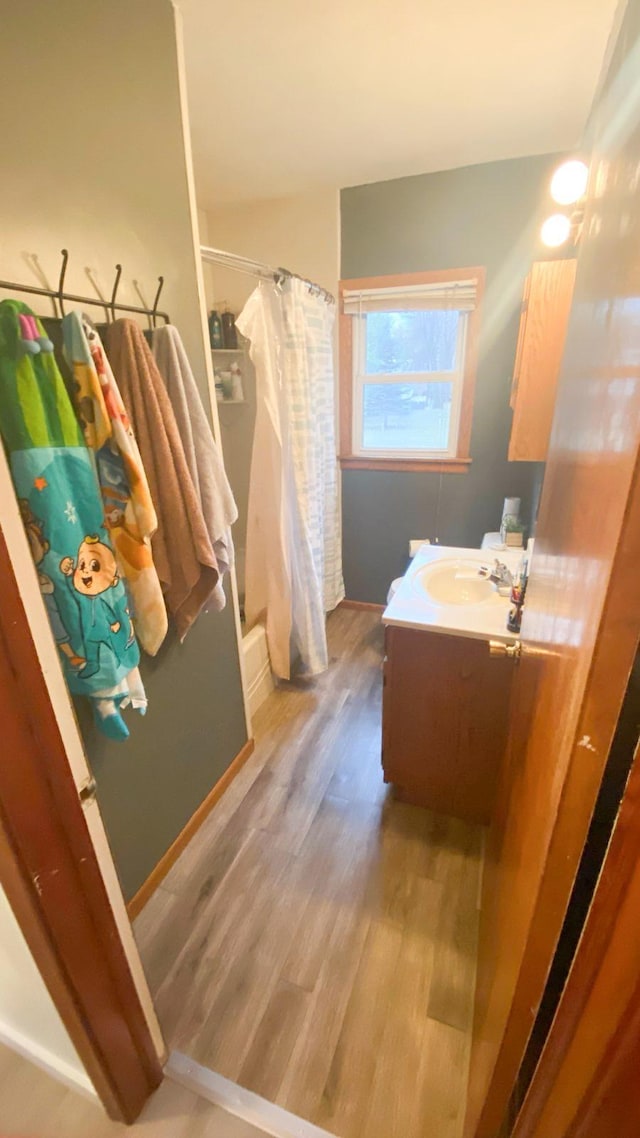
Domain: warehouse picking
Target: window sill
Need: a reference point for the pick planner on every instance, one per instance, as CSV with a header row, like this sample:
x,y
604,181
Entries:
x,y
410,465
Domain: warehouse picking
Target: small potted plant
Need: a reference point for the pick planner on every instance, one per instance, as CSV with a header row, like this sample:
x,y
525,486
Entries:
x,y
512,533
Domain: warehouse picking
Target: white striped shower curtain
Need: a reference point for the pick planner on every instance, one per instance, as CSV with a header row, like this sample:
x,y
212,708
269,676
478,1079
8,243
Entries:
x,y
294,563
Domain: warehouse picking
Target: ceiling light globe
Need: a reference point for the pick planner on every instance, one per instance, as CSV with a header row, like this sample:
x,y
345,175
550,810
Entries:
x,y
569,182
555,230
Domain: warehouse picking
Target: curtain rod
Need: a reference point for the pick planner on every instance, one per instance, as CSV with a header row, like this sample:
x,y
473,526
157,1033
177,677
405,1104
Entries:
x,y
259,269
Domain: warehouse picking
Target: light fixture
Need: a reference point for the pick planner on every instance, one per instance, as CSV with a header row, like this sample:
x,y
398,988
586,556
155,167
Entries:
x,y
556,230
569,182
568,188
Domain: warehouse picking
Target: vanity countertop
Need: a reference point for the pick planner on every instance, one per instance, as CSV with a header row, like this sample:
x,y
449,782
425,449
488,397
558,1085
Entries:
x,y
413,606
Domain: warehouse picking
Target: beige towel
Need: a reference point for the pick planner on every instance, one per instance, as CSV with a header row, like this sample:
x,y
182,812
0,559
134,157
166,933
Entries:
x,y
182,550
202,454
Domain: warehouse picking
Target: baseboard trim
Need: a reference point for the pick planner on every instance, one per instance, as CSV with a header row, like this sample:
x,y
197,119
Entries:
x,y
157,875
366,606
251,1108
59,1069
261,687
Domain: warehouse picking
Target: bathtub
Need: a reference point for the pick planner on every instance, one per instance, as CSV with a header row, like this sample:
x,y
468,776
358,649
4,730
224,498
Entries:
x,y
257,667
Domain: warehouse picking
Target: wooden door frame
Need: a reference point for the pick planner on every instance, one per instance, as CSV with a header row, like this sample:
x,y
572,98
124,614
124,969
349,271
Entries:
x,y
53,880
585,1083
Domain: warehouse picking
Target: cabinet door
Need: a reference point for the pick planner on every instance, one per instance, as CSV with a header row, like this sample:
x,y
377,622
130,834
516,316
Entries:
x,y
540,346
444,721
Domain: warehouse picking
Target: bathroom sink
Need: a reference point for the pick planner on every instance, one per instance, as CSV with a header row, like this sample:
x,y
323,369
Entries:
x,y
454,583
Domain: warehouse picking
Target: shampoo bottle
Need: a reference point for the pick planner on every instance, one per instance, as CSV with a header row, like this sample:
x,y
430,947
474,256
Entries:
x,y
216,338
229,330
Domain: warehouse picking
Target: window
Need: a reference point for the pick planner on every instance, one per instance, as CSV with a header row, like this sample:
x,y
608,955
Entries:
x,y
408,350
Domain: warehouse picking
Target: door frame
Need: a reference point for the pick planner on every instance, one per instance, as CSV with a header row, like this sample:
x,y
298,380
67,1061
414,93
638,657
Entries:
x,y
57,874
585,1083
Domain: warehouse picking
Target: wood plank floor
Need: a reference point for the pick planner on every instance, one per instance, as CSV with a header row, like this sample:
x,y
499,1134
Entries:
x,y
316,942
34,1105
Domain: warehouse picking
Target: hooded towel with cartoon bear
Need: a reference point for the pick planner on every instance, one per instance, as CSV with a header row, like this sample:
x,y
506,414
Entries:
x,y
55,479
128,508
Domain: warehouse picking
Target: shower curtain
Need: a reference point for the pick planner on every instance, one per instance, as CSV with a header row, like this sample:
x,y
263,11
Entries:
x,y
294,568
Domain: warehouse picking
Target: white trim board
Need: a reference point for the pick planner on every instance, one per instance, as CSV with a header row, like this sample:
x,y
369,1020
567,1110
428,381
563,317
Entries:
x,y
257,1111
260,687
47,1061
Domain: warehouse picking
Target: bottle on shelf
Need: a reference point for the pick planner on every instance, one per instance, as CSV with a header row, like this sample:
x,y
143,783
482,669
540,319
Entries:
x,y
229,333
216,335
237,392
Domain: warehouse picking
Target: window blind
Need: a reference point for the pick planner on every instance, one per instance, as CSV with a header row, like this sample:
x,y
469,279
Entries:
x,y
450,294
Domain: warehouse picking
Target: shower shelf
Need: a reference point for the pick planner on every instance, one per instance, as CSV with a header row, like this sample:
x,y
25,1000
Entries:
x,y
228,351
226,402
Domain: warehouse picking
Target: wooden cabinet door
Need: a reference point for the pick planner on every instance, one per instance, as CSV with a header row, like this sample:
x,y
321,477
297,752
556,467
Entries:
x,y
445,718
543,329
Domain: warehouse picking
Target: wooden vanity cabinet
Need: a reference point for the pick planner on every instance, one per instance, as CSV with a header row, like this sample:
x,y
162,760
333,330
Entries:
x,y
444,721
546,304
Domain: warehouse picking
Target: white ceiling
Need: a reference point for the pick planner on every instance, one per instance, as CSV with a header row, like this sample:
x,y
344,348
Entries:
x,y
292,95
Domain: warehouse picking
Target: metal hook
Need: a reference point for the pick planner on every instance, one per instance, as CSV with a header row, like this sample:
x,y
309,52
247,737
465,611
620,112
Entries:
x,y
112,302
63,270
154,310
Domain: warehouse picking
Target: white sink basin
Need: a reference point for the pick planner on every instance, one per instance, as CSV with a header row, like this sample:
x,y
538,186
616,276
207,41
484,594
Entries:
x,y
454,583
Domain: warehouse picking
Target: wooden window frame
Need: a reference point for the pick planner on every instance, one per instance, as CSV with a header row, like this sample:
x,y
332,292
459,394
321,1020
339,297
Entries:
x,y
459,464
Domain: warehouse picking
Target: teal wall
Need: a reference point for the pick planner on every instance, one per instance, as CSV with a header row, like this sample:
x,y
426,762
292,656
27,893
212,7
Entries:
x,y
477,215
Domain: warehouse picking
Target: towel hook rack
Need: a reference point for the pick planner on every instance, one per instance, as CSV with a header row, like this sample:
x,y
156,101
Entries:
x,y
59,296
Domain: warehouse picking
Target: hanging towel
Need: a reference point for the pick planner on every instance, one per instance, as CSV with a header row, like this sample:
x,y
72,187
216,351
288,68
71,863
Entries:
x,y
55,480
182,550
129,512
203,457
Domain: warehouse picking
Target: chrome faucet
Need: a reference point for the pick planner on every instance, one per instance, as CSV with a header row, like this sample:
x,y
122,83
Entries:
x,y
501,576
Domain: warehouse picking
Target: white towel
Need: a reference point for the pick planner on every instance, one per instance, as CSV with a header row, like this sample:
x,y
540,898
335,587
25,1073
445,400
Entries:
x,y
203,457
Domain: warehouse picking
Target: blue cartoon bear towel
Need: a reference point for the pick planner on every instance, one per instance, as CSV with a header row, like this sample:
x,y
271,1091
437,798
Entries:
x,y
55,480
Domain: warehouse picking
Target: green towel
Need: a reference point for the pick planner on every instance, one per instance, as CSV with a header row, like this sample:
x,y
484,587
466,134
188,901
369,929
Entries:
x,y
36,409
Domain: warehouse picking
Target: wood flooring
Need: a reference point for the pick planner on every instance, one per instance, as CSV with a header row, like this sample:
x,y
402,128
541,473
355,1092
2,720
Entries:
x,y
316,942
34,1105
